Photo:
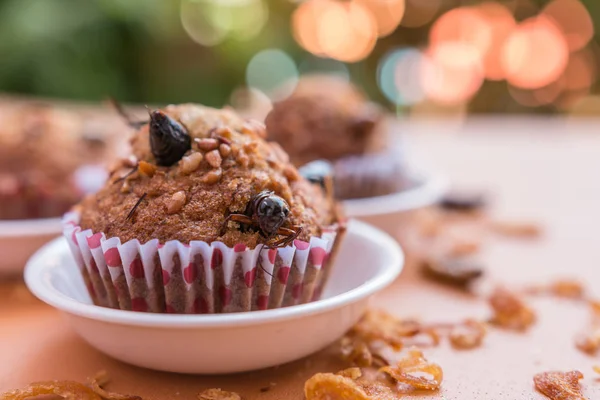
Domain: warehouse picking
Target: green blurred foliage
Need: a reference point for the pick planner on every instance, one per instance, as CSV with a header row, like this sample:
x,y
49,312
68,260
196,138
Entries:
x,y
138,51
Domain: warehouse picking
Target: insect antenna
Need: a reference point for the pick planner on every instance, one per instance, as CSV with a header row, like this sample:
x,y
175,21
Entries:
x,y
119,109
260,260
128,174
137,204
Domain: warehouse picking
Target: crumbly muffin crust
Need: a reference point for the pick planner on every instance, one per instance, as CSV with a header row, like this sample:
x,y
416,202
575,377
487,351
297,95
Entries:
x,y
228,164
325,118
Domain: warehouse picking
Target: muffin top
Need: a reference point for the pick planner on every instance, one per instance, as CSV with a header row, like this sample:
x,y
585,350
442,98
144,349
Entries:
x,y
191,167
325,118
42,148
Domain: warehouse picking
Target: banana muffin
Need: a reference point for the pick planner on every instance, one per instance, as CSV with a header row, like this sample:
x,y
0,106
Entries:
x,y
216,217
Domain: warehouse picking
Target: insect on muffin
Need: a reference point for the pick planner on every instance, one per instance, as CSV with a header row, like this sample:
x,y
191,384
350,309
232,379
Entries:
x,y
328,118
46,163
205,216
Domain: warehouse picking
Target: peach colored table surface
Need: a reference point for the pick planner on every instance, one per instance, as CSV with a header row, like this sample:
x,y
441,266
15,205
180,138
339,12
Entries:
x,y
547,171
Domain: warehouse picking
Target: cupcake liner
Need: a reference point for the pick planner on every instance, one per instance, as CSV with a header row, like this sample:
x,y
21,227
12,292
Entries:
x,y
370,175
200,277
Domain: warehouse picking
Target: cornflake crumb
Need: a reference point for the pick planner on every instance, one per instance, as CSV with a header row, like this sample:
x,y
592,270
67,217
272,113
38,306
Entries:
x,y
459,271
510,311
218,394
468,335
376,331
558,385
588,342
382,326
69,390
414,370
350,384
596,369
566,288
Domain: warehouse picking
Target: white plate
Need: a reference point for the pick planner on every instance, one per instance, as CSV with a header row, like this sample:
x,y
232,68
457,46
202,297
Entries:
x,y
19,239
391,211
369,260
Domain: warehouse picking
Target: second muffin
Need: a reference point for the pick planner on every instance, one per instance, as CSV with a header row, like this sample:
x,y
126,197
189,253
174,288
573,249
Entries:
x,y
328,118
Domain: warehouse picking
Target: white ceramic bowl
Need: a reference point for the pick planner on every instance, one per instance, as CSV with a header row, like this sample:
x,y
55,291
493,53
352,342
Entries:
x,y
19,239
391,211
369,260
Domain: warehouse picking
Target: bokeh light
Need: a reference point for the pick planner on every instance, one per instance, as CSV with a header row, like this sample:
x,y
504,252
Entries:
x,y
305,22
251,103
463,25
501,23
345,31
452,73
573,19
399,76
273,72
535,54
420,12
203,23
209,22
387,13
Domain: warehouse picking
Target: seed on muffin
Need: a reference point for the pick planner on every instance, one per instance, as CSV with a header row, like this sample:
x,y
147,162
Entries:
x,y
213,176
207,144
176,202
191,163
146,168
214,158
224,150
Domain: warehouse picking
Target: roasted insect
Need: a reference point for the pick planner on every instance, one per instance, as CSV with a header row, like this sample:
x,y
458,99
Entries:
x,y
267,213
320,172
317,172
169,140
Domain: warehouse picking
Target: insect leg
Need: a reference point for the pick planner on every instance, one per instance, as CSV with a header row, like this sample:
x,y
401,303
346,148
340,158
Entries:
x,y
241,218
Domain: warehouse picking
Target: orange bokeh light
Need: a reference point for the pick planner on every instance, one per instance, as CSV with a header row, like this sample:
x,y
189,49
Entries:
x,y
347,32
535,54
452,73
342,31
573,19
464,25
484,27
501,24
305,20
387,13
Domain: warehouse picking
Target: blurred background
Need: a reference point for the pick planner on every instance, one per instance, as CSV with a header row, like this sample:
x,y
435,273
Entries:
x,y
417,57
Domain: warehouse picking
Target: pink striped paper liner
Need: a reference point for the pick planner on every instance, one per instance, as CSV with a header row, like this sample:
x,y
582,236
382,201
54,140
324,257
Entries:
x,y
199,277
